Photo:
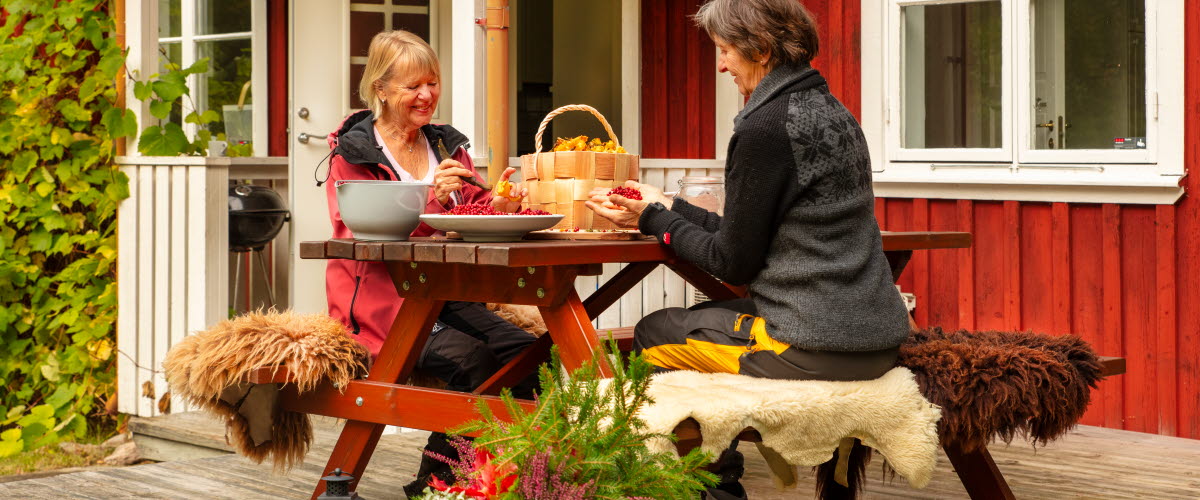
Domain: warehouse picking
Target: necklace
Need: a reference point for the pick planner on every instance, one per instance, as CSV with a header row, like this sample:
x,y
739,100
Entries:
x,y
397,136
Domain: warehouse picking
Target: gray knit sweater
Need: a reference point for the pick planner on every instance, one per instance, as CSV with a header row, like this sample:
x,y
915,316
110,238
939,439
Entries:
x,y
799,225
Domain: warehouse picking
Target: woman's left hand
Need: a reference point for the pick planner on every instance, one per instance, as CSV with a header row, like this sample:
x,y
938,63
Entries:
x,y
622,211
512,202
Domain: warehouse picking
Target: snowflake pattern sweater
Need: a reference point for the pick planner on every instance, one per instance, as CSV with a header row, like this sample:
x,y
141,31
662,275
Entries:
x,y
799,226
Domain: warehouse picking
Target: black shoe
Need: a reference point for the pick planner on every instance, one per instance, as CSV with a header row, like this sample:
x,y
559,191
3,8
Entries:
x,y
431,467
730,467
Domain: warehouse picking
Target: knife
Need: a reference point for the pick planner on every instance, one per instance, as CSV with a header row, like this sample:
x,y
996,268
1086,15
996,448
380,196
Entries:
x,y
466,178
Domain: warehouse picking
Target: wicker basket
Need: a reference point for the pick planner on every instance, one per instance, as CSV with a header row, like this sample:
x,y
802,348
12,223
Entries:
x,y
559,181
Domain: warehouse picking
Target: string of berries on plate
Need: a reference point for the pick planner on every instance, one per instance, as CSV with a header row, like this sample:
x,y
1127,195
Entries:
x,y
481,209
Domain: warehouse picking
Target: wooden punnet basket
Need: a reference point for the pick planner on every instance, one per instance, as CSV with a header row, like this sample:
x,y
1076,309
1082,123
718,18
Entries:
x,y
559,181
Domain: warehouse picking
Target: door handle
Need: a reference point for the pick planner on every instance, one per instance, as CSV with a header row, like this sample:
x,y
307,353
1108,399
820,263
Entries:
x,y
304,137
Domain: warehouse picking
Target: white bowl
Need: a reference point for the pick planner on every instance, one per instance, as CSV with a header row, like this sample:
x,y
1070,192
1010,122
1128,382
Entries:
x,y
491,228
381,210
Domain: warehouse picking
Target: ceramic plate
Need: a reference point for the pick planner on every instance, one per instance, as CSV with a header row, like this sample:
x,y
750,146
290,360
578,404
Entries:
x,y
490,228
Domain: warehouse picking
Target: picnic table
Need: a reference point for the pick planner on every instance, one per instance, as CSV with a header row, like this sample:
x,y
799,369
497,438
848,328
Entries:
x,y
429,271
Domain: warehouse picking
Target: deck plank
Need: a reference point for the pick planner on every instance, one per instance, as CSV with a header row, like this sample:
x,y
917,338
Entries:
x,y
1090,462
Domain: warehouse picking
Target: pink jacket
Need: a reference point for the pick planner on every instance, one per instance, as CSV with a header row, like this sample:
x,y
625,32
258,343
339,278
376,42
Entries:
x,y
360,293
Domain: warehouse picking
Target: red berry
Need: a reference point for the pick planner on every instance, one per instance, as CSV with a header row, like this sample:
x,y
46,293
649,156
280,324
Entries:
x,y
627,192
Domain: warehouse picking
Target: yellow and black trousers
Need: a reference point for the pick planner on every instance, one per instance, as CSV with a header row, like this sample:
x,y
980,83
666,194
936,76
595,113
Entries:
x,y
727,337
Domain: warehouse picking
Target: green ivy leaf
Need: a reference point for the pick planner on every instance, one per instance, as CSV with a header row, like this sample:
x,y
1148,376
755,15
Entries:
x,y
176,139
44,188
170,86
62,396
119,122
39,240
72,111
141,90
210,116
160,109
200,66
23,163
11,443
50,371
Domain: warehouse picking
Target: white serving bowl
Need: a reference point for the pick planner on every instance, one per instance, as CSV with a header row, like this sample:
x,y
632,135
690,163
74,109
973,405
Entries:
x,y
381,210
491,228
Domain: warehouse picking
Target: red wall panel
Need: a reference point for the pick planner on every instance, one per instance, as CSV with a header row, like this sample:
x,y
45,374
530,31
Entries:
x,y
678,87
1122,277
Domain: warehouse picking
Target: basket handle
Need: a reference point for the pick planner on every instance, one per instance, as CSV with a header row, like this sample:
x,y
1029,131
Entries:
x,y
572,107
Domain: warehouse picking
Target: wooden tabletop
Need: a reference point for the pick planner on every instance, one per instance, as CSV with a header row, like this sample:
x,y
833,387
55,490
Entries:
x,y
539,253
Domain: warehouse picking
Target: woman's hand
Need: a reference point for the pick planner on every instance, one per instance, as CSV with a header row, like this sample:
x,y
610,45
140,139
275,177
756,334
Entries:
x,y
512,202
622,211
448,179
650,194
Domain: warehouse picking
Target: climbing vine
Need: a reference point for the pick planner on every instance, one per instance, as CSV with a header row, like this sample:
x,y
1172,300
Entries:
x,y
59,191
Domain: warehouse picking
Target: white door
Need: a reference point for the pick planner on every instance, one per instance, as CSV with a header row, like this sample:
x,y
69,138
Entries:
x,y
318,96
328,42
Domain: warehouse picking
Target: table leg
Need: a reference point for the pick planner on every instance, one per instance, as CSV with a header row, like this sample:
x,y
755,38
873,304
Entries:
x,y
539,351
897,261
572,331
706,283
979,474
395,363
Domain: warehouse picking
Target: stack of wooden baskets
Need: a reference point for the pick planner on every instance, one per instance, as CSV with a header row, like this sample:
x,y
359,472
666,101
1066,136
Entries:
x,y
559,181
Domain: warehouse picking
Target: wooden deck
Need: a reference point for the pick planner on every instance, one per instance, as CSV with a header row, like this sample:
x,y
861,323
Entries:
x,y
1089,463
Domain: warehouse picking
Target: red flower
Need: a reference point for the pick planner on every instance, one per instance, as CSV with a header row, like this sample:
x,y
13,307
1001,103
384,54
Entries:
x,y
489,481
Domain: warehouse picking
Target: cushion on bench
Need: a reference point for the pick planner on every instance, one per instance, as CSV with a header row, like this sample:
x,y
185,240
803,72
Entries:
x,y
209,370
802,420
994,384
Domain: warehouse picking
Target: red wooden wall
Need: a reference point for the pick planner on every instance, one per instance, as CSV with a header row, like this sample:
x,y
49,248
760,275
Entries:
x,y
1124,277
678,91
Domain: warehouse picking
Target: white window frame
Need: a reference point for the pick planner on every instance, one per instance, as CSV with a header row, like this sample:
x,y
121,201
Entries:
x,y
438,26
1150,176
896,95
188,41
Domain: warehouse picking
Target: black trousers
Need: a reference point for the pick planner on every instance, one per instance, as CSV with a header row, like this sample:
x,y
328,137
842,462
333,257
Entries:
x,y
728,337
469,344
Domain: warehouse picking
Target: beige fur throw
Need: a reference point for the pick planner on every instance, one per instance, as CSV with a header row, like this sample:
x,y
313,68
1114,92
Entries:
x,y
209,370
802,421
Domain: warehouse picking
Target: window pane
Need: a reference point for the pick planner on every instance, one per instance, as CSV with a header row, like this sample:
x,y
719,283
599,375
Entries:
x,y
950,73
168,18
1089,74
171,53
226,89
222,16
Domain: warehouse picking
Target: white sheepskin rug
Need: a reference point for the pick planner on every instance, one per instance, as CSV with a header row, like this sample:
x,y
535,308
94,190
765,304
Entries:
x,y
802,421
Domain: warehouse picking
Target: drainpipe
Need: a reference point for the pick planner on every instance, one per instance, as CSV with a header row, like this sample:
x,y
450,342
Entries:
x,y
496,25
118,14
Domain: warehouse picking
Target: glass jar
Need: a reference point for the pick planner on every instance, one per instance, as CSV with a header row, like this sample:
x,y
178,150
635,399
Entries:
x,y
705,192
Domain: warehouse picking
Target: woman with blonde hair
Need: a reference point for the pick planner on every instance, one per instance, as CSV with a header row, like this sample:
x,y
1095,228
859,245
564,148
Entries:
x,y
394,140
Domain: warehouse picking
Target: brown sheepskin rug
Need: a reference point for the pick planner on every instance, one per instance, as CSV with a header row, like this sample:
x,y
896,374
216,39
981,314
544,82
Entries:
x,y
1000,384
989,385
209,370
525,316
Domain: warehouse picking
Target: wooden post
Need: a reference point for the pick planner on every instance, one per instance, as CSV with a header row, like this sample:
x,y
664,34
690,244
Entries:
x,y
118,12
496,24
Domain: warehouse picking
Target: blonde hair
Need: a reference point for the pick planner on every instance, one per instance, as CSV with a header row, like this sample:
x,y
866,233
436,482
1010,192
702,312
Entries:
x,y
399,51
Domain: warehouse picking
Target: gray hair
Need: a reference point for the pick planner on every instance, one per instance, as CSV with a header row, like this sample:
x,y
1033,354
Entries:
x,y
782,28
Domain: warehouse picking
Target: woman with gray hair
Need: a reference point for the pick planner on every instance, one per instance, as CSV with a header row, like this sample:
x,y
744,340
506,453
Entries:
x,y
798,229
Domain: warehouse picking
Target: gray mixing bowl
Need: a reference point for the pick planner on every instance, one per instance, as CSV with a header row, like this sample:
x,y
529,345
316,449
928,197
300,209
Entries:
x,y
382,210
